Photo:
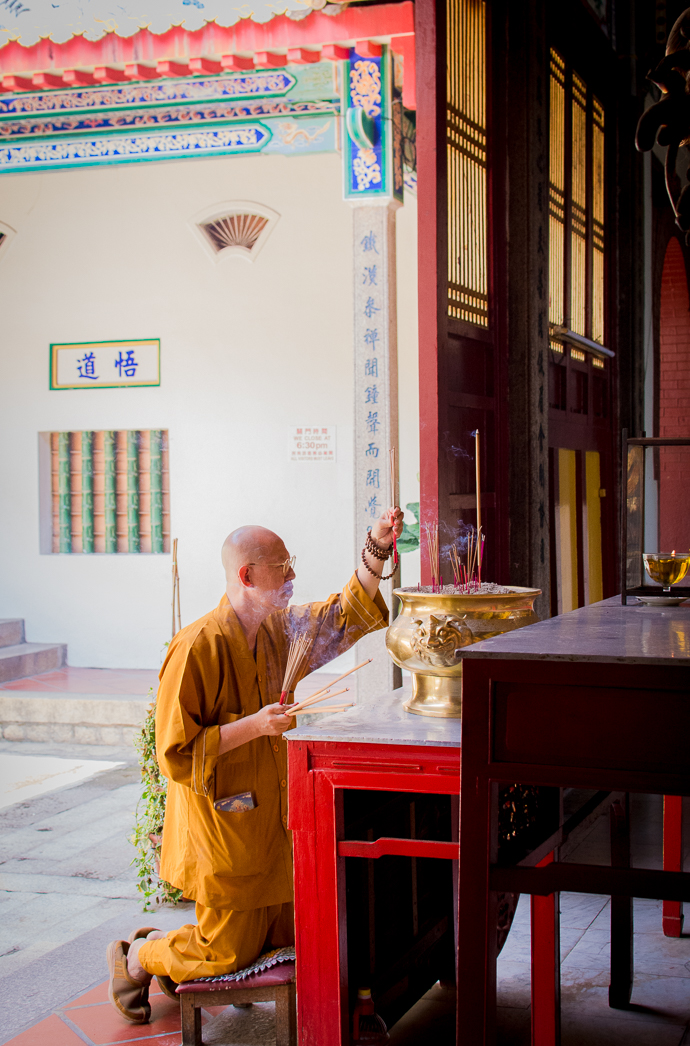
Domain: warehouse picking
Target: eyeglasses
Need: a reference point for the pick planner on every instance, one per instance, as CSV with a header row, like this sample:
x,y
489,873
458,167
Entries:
x,y
287,566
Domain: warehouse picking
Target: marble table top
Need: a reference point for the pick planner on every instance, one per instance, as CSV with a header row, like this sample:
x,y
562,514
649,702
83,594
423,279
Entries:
x,y
381,722
606,632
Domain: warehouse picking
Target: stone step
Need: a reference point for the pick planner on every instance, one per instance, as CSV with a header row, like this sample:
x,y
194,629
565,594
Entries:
x,y
19,660
11,631
65,718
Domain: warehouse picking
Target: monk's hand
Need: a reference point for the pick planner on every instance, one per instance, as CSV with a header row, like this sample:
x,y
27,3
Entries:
x,y
391,522
271,719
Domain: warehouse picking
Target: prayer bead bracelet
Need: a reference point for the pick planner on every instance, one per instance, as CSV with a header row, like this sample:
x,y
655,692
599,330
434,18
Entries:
x,y
376,551
379,577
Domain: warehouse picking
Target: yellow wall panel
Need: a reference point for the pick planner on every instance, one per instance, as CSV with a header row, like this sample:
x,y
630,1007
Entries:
x,y
594,576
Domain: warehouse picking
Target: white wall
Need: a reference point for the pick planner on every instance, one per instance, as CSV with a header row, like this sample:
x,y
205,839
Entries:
x,y
247,350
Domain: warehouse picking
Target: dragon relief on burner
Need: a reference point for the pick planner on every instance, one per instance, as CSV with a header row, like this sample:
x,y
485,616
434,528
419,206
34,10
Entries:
x,y
439,642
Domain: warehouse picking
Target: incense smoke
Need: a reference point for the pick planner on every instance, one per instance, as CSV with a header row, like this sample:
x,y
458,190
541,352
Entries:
x,y
451,451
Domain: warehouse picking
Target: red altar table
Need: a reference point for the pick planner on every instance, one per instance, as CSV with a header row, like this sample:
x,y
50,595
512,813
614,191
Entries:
x,y
374,782
594,699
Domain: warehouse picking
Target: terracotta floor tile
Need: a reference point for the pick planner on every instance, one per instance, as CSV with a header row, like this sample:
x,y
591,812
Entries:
x,y
94,995
103,1024
68,680
174,1039
99,994
51,1031
30,683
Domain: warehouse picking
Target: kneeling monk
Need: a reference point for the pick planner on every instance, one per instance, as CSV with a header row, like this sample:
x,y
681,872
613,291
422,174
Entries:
x,y
218,727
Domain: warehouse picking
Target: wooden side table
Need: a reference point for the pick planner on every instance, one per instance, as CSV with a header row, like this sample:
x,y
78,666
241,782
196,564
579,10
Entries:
x,y
595,699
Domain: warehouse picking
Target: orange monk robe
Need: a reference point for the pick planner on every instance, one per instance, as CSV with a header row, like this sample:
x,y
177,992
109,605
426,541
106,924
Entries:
x,y
240,861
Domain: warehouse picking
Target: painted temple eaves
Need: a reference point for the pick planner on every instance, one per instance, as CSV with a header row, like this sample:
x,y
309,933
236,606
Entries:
x,y
29,21
202,49
321,84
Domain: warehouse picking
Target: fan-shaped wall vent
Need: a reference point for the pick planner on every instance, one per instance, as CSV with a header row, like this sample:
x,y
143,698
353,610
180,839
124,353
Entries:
x,y
239,228
6,235
236,230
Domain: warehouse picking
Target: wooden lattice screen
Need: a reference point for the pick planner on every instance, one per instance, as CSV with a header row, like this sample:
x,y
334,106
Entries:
x,y
576,206
110,491
467,162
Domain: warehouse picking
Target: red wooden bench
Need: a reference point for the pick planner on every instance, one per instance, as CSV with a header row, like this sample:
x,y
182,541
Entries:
x,y
277,984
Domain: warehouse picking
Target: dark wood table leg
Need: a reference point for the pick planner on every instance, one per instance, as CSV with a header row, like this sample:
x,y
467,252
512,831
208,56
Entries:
x,y
478,912
546,967
621,985
191,1020
672,911
286,1020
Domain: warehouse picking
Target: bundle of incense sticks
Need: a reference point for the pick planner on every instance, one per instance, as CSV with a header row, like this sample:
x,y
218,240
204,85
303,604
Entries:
x,y
432,549
396,559
297,655
324,692
468,576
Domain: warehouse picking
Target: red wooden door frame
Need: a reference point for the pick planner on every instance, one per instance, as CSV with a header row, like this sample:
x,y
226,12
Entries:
x,y
432,222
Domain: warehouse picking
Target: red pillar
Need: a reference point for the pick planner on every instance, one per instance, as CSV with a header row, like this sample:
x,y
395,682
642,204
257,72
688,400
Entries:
x,y
672,918
431,221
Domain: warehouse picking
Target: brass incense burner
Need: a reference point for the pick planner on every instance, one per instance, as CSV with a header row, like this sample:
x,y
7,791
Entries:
x,y
428,635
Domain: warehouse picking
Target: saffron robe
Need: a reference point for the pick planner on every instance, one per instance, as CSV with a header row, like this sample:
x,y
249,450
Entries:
x,y
210,677
222,941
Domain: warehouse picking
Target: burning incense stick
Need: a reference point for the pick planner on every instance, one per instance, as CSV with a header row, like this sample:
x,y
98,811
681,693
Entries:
x,y
456,564
297,655
314,700
471,552
395,542
481,556
477,471
432,550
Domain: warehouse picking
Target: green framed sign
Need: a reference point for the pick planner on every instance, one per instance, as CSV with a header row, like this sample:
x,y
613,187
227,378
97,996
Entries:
x,y
105,364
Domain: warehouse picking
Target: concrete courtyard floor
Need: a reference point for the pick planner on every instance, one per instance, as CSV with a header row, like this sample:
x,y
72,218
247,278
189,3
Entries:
x,y
67,888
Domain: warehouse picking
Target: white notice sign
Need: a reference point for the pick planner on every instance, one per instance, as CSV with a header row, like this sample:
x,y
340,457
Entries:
x,y
312,443
105,364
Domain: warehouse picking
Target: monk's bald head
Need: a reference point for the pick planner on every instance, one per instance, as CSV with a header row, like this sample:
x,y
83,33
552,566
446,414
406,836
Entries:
x,y
249,545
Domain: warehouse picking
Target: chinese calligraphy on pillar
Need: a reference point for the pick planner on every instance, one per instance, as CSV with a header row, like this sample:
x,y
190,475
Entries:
x,y
376,399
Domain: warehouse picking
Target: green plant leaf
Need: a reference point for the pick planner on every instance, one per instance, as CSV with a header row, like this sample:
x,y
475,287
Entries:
x,y
149,817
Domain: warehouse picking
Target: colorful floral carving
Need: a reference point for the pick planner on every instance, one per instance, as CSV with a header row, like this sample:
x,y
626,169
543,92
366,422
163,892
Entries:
x,y
124,148
366,169
178,115
365,86
151,93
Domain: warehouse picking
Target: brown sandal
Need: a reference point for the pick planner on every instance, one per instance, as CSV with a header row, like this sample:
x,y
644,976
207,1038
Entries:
x,y
129,996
